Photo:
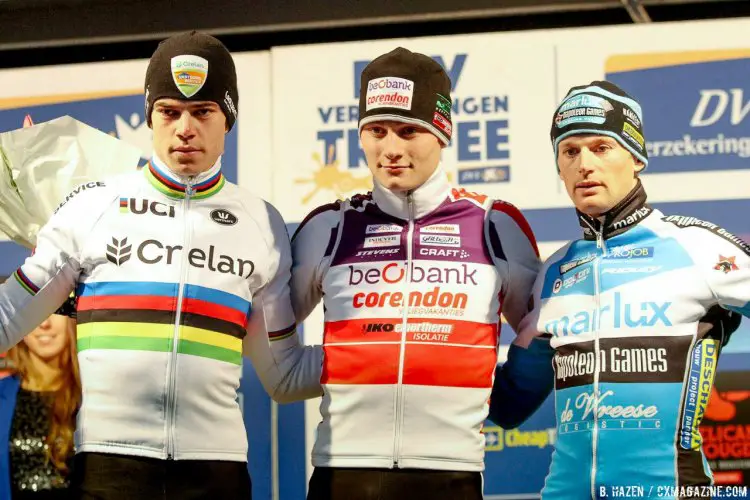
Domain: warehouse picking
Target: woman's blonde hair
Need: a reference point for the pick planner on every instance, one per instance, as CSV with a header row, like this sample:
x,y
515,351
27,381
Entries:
x,y
67,396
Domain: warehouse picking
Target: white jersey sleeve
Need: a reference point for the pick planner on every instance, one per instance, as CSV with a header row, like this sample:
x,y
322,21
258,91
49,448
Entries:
x,y
47,277
288,370
515,254
312,245
723,258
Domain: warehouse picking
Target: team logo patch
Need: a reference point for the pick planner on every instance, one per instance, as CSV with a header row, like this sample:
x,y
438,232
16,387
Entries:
x,y
441,229
440,240
389,92
189,73
223,217
442,116
383,228
564,268
382,241
119,251
442,123
726,264
583,108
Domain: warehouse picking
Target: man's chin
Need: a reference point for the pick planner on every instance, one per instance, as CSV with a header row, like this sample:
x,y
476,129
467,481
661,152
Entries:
x,y
398,184
184,167
591,206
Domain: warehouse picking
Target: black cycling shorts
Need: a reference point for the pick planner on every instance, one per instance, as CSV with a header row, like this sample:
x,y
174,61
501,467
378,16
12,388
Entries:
x,y
102,476
335,483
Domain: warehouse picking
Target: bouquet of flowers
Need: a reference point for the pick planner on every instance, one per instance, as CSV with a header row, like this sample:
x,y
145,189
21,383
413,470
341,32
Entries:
x,y
41,164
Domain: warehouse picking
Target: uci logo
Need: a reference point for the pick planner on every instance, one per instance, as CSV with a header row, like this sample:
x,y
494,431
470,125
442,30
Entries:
x,y
223,217
140,207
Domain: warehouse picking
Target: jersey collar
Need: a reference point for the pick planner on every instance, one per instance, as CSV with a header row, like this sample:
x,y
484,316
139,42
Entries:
x,y
620,218
204,185
425,198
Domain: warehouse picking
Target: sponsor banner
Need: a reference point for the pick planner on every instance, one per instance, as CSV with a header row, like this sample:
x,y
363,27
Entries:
x,y
499,115
726,428
702,125
694,94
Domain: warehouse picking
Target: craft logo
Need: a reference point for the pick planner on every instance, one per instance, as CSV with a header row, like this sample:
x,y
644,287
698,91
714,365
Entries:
x,y
704,123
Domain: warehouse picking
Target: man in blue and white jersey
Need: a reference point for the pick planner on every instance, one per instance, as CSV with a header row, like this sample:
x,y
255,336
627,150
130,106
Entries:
x,y
629,311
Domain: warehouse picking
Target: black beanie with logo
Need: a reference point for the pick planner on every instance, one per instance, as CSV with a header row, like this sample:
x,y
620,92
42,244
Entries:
x,y
193,66
407,87
601,108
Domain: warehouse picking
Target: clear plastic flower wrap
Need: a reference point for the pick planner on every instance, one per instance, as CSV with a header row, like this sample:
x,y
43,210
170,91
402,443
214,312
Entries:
x,y
41,164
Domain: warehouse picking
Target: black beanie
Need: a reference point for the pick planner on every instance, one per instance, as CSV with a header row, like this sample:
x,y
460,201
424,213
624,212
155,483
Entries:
x,y
602,108
193,66
407,87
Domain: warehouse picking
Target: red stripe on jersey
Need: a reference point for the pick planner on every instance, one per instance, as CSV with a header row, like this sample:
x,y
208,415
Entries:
x,y
161,303
360,364
431,330
517,216
449,366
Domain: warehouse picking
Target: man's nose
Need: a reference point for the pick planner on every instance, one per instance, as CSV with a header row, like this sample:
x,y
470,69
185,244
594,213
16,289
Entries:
x,y
393,148
586,161
185,125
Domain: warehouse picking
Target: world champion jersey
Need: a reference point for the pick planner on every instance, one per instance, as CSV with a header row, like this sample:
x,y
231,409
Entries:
x,y
175,279
413,286
634,365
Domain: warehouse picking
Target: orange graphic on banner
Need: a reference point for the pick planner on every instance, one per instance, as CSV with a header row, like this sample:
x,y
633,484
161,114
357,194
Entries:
x,y
328,177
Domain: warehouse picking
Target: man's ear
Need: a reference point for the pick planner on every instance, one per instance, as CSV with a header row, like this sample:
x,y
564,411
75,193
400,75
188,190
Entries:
x,y
639,166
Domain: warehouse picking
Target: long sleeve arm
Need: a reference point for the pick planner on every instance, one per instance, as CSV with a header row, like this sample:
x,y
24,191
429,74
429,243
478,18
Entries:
x,y
526,379
47,277
312,244
288,370
522,383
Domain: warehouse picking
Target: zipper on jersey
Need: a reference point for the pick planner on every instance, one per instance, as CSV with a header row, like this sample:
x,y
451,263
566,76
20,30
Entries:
x,y
171,404
602,246
399,407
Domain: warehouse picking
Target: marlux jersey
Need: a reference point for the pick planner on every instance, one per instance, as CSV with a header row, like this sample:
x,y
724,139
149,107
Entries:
x,y
634,365
172,281
413,286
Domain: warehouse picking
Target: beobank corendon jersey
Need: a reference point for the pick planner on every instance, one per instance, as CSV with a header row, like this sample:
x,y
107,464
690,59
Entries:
x,y
174,283
413,287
